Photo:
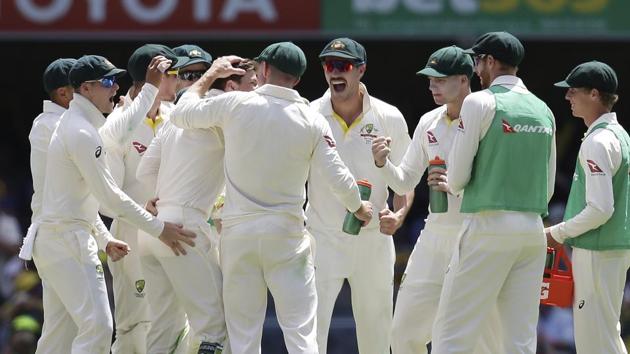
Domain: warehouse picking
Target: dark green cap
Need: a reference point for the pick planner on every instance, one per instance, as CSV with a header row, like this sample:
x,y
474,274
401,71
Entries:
x,y
593,74
140,59
501,45
56,74
286,57
194,53
344,48
92,67
448,61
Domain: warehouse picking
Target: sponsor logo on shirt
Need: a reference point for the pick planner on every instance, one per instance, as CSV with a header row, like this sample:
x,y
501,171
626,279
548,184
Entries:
x,y
99,272
98,152
595,169
432,139
140,287
525,128
330,141
139,147
367,132
581,304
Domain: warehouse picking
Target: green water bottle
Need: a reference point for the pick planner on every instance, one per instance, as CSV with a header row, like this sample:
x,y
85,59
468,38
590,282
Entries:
x,y
352,225
438,200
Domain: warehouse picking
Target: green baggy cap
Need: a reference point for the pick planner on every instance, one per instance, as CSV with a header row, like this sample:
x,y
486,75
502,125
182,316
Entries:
x,y
344,48
141,57
593,74
501,45
92,67
56,74
286,57
448,61
194,53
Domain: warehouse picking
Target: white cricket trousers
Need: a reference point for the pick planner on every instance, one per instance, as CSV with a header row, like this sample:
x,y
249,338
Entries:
x,y
131,307
498,261
183,287
600,278
367,261
283,264
77,318
419,295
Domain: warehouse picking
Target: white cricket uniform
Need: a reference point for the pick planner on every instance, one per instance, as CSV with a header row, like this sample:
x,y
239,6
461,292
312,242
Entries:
x,y
77,179
366,260
272,140
600,276
185,169
504,248
421,286
131,308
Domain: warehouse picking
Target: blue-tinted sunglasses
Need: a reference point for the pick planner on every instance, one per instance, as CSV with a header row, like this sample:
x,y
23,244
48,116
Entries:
x,y
106,82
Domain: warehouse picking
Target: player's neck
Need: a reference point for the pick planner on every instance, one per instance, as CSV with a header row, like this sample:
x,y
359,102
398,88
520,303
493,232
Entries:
x,y
453,109
594,115
350,108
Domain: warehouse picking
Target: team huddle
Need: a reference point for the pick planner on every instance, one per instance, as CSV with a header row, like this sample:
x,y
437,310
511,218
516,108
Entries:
x,y
203,164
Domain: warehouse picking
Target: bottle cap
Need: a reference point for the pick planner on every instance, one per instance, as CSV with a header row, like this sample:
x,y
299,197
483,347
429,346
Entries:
x,y
437,161
364,182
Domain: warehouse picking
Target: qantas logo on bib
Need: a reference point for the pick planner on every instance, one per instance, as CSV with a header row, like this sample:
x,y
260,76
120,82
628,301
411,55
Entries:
x,y
595,169
139,147
432,139
507,128
525,128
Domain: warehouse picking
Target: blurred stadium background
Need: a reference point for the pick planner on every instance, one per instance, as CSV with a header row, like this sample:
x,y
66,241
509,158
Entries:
x,y
399,35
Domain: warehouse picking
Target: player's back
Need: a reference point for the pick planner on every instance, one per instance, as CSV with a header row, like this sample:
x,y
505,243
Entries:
x,y
269,143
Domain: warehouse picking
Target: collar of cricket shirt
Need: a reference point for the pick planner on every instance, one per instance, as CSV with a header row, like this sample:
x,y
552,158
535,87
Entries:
x,y
509,80
281,92
327,109
604,118
52,107
213,92
92,114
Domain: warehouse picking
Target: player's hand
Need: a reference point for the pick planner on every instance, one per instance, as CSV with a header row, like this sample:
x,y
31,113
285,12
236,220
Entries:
x,y
173,235
365,212
390,222
551,242
222,67
380,150
156,69
117,249
151,206
437,179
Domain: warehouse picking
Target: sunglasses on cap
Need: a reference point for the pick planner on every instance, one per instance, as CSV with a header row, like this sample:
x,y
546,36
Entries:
x,y
340,65
106,82
190,75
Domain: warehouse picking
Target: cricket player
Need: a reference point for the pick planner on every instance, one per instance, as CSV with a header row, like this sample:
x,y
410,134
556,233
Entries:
x,y
187,288
142,106
272,140
366,260
58,88
500,254
597,219
449,71
77,179
198,62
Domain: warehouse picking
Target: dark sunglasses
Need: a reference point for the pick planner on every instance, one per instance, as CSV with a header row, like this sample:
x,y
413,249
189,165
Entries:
x,y
106,82
340,65
190,75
